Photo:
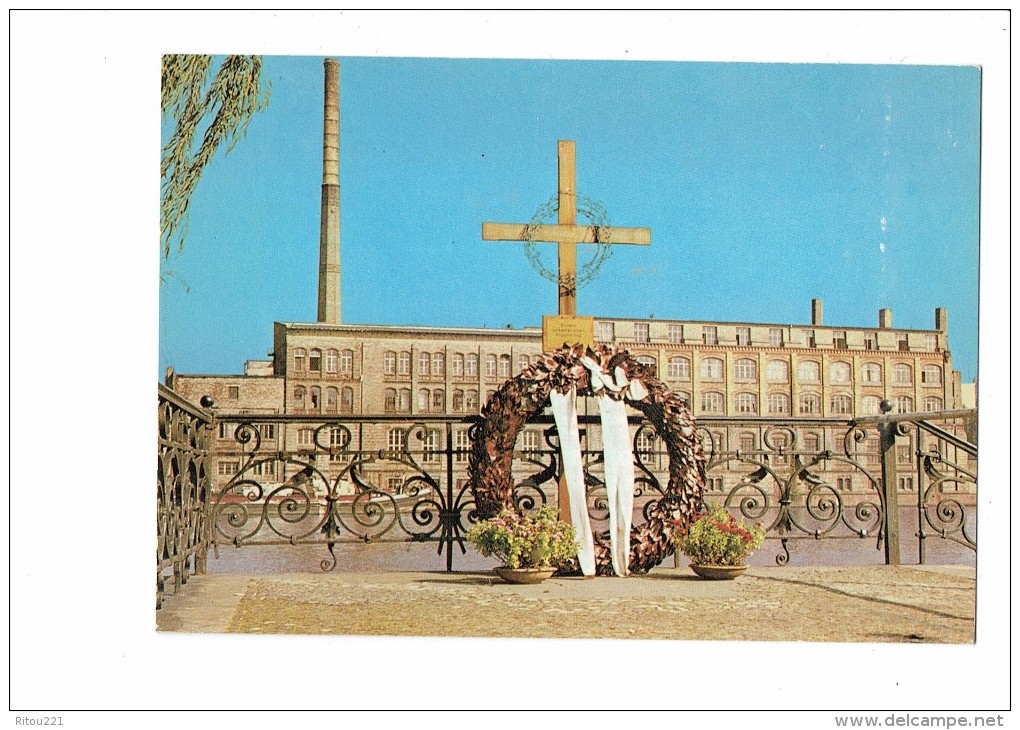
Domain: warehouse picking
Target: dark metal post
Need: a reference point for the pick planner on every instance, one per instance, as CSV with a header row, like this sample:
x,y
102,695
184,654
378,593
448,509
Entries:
x,y
449,535
892,507
919,450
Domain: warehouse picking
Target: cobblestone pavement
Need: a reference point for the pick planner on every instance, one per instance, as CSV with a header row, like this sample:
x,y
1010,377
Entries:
x,y
844,604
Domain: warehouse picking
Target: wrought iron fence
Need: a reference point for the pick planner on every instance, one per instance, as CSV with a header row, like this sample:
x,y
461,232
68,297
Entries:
x,y
310,479
944,469
182,490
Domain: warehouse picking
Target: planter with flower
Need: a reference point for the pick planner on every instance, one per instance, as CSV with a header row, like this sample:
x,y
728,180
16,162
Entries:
x,y
531,547
717,544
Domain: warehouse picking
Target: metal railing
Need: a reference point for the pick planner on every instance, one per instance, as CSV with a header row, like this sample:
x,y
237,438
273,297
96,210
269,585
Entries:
x,y
182,491
329,480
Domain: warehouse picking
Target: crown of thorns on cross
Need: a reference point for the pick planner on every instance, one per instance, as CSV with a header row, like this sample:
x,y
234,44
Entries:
x,y
595,212
523,396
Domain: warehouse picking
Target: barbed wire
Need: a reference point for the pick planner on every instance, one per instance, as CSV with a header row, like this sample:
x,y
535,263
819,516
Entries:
x,y
597,218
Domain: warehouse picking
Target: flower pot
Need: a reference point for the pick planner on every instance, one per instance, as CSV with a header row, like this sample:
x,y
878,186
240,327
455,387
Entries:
x,y
524,575
718,572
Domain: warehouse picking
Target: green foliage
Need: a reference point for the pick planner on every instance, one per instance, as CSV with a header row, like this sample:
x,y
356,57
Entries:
x,y
222,106
525,541
717,538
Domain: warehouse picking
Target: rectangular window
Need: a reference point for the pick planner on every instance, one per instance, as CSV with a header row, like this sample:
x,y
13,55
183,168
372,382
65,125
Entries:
x,y
227,468
902,344
743,336
745,369
931,343
226,430
839,340
931,375
267,430
471,366
490,366
430,447
777,371
404,363
710,335
462,444
676,334
315,361
346,362
233,392
395,484
332,361
870,341
641,332
605,332
395,439
678,368
305,436
776,337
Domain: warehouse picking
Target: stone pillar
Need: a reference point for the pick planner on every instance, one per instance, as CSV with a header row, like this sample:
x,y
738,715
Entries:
x,y
329,230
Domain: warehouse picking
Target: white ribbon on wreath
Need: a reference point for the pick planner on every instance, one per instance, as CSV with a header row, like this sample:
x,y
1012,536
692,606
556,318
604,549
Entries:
x,y
610,389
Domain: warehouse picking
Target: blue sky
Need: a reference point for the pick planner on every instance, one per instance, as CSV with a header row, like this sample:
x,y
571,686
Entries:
x,y
765,185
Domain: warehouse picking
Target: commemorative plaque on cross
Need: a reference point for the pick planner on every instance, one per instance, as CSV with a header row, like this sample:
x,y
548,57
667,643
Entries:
x,y
566,328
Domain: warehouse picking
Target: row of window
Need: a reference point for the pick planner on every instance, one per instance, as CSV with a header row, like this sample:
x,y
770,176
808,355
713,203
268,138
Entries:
x,y
606,332
461,365
842,484
330,399
808,404
808,371
709,335
333,362
677,367
432,401
334,400
266,430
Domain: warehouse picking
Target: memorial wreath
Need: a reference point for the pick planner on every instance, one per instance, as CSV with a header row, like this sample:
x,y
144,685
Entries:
x,y
521,397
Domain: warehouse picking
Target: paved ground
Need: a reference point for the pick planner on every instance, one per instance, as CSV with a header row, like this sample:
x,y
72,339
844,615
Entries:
x,y
861,603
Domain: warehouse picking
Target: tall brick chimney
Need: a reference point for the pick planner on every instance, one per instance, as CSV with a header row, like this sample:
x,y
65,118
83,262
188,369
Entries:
x,y
941,323
885,319
816,312
329,228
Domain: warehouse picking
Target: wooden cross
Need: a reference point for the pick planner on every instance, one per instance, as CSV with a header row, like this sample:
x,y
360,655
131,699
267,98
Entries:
x,y
566,233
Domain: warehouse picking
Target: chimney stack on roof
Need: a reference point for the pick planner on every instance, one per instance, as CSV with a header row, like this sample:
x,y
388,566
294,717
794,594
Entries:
x,y
816,312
